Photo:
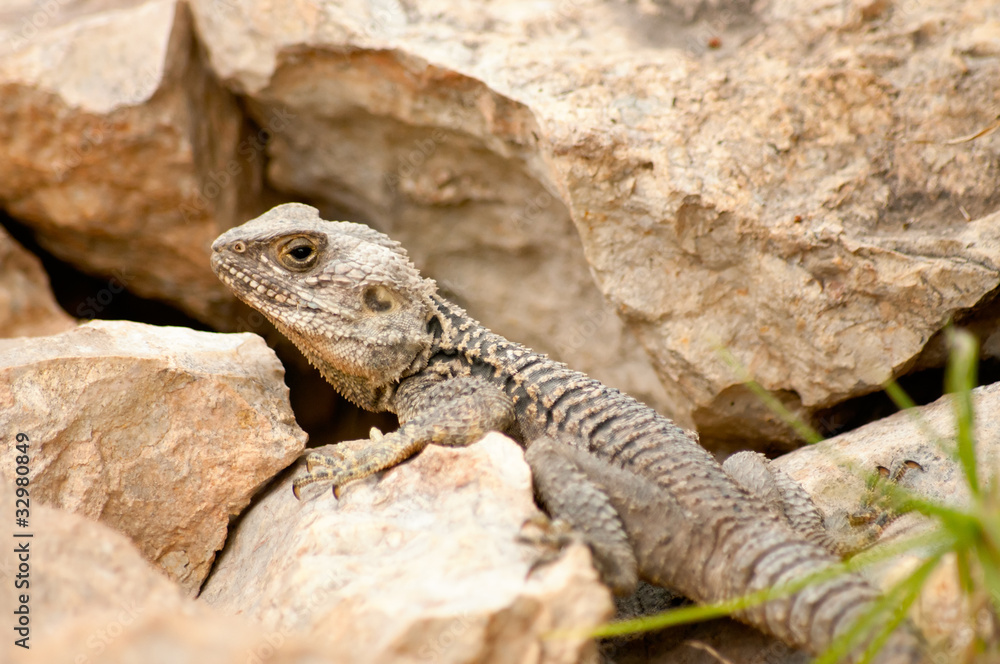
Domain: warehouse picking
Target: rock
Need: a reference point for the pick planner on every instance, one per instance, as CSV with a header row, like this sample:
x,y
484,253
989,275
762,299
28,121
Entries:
x,y
797,196
119,148
93,598
440,161
834,472
27,307
421,563
161,433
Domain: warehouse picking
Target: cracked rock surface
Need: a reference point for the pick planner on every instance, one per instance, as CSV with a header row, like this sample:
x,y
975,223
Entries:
x,y
161,433
421,563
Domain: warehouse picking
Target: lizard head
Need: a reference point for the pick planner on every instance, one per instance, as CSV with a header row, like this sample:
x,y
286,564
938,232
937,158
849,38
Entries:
x,y
345,294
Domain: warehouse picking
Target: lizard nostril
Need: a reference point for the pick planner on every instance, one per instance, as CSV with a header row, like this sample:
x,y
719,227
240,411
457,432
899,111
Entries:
x,y
239,246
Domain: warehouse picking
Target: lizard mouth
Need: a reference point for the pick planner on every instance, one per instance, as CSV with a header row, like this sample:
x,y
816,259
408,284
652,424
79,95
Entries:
x,y
252,285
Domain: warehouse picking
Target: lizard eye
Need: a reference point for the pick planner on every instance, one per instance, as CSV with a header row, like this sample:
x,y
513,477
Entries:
x,y
378,299
298,254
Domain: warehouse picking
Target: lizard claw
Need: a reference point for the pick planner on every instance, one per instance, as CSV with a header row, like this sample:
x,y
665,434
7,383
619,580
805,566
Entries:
x,y
305,480
318,469
318,460
353,461
549,537
877,510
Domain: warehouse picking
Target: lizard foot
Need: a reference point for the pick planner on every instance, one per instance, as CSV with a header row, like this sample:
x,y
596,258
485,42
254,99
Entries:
x,y
355,460
546,533
567,493
853,532
844,533
317,471
337,468
551,536
876,509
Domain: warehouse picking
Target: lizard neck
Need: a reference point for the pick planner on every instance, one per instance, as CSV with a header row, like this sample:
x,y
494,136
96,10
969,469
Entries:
x,y
464,347
457,334
359,390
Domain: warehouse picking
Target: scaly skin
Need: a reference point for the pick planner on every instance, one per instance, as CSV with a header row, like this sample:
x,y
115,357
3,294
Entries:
x,y
648,499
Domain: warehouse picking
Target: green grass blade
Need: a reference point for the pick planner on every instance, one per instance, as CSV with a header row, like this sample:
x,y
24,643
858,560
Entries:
x,y
960,378
680,616
897,601
964,569
937,541
912,588
903,401
990,567
801,427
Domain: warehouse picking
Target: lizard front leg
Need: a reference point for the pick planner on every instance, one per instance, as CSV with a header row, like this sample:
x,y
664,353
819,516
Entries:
x,y
454,411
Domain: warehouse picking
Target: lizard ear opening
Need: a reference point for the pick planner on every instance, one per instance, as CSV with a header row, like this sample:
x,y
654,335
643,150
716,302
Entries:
x,y
378,299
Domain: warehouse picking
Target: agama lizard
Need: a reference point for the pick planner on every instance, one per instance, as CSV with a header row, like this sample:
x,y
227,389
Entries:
x,y
647,498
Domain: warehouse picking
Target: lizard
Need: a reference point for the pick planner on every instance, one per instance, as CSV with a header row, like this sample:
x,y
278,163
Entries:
x,y
649,500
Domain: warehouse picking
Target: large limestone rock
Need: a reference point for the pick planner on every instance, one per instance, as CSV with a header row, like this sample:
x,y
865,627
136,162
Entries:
x,y
93,598
798,196
807,186
833,472
119,148
27,307
161,433
422,563
185,164
442,162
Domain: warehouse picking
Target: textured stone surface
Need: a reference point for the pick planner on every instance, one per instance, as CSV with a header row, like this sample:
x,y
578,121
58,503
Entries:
x,y
92,598
118,147
834,472
419,564
802,184
796,195
440,161
161,433
27,307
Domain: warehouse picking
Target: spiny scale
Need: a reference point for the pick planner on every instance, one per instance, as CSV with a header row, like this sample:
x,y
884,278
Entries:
x,y
649,500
